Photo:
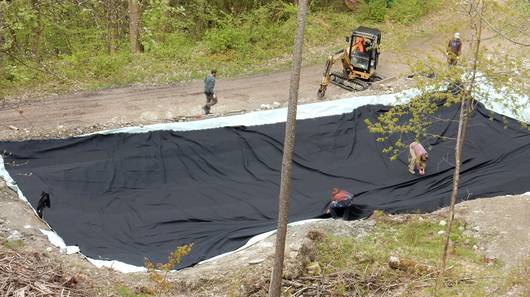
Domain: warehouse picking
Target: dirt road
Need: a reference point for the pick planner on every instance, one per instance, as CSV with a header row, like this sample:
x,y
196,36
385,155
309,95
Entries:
x,y
135,105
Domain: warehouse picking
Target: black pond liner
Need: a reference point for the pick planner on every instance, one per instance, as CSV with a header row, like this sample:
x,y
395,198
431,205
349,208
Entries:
x,y
128,197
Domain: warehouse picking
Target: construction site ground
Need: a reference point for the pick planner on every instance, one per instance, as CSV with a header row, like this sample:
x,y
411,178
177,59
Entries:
x,y
500,224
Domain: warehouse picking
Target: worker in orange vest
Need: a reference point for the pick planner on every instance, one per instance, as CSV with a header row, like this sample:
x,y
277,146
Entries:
x,y
340,200
358,46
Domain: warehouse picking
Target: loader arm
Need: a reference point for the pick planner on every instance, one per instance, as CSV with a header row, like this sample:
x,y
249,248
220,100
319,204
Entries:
x,y
342,55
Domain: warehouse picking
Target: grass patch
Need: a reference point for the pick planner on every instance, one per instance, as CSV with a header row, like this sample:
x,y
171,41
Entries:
x,y
123,291
365,266
13,244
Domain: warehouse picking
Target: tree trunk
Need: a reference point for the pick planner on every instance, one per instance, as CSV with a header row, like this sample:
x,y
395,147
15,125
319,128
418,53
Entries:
x,y
108,16
285,187
35,42
134,26
465,111
351,4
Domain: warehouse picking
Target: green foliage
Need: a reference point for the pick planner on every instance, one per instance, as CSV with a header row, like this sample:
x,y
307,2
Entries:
x,y
418,241
126,292
399,11
408,11
158,273
63,45
266,28
13,244
373,10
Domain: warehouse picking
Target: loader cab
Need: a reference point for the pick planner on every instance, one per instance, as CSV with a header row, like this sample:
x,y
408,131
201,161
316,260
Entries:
x,y
364,49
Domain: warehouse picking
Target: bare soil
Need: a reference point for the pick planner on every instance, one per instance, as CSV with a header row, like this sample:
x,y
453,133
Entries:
x,y
500,224
134,105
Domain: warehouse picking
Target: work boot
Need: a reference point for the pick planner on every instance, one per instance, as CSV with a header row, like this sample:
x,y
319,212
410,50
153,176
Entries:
x,y
206,110
412,171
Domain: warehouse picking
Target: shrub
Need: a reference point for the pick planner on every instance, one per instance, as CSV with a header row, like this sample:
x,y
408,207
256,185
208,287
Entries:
x,y
399,11
158,273
373,10
408,11
105,66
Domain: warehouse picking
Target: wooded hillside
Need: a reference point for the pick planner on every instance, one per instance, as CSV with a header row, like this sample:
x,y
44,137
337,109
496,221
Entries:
x,y
84,44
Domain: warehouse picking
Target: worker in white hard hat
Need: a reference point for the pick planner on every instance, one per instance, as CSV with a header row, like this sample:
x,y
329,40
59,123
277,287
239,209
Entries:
x,y
453,49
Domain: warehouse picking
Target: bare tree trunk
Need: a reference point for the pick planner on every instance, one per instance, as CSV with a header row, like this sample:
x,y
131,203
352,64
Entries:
x,y
465,110
288,146
116,25
134,26
108,16
351,4
35,42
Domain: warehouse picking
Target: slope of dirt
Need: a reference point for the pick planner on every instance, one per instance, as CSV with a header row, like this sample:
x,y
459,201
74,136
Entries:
x,y
502,227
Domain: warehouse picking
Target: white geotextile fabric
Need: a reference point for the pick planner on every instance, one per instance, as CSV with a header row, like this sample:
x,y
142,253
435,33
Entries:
x,y
306,111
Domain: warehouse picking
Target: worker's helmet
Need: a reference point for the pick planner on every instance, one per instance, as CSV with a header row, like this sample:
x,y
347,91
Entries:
x,y
457,35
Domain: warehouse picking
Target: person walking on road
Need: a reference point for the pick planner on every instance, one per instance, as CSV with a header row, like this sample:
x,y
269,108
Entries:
x,y
209,85
453,49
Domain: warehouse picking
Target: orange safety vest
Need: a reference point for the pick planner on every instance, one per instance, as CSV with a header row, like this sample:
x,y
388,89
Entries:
x,y
359,44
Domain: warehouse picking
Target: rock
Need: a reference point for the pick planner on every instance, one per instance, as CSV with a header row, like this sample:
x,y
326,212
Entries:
x,y
442,223
72,281
169,115
20,292
293,270
14,236
145,290
267,244
294,246
315,235
441,232
407,265
490,259
476,228
468,233
276,104
13,128
149,116
475,247
27,226
256,261
265,106
314,268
